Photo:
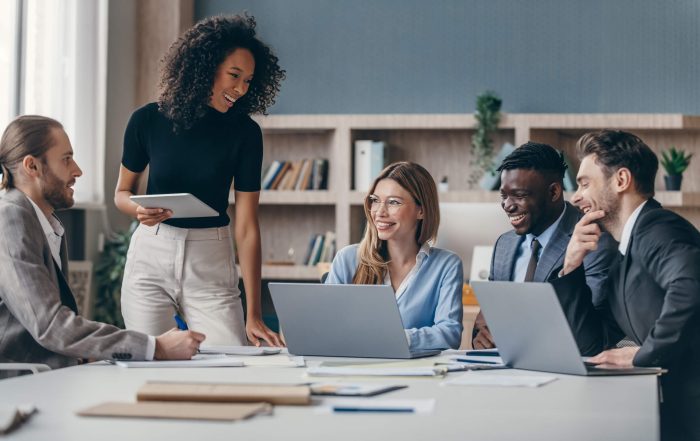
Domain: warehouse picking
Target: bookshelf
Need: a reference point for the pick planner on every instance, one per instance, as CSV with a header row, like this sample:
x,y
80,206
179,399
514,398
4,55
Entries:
x,y
441,143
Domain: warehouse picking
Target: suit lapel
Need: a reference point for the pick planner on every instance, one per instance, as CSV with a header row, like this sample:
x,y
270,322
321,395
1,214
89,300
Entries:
x,y
505,263
66,295
651,204
553,254
64,255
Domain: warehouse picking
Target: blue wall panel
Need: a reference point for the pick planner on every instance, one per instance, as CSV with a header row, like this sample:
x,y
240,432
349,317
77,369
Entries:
x,y
418,56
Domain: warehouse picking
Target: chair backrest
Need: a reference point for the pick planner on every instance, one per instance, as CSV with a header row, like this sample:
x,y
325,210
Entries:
x,y
15,368
465,225
80,282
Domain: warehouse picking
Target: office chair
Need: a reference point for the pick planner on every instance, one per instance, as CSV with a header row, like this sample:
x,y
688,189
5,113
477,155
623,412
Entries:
x,y
34,368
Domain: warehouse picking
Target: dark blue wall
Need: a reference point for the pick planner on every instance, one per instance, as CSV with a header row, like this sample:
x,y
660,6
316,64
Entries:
x,y
423,56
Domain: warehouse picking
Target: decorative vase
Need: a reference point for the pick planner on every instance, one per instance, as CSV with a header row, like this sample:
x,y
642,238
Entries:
x,y
673,182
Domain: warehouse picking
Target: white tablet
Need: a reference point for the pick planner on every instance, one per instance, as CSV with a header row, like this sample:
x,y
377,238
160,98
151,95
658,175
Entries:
x,y
182,204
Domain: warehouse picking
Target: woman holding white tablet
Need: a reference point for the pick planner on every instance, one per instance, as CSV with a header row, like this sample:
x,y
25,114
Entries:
x,y
198,138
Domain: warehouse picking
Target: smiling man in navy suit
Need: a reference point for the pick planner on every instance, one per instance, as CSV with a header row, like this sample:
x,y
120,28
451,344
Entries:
x,y
532,197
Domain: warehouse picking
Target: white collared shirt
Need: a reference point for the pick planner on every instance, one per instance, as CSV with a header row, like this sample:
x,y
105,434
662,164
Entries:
x,y
423,252
627,229
53,230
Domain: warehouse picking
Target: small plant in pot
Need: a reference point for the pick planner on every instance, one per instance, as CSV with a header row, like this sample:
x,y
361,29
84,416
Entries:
x,y
675,162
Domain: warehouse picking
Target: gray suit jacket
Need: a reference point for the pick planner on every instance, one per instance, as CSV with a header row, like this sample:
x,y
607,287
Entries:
x,y
38,323
552,257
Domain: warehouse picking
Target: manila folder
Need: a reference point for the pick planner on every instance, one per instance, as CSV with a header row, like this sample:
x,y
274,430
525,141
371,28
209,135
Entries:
x,y
225,393
185,411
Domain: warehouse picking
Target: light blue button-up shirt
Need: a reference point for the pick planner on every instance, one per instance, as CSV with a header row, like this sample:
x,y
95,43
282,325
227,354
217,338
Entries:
x,y
430,306
524,251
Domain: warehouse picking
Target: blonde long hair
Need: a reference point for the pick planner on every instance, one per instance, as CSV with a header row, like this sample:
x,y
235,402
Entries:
x,y
373,253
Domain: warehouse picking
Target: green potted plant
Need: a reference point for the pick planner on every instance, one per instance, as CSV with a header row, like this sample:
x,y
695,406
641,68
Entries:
x,y
675,162
109,274
488,115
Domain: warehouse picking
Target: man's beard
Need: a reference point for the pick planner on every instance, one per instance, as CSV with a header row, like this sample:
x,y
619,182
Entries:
x,y
54,191
610,204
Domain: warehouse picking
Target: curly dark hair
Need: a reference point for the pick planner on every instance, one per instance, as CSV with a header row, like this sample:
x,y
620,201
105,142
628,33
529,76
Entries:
x,y
190,65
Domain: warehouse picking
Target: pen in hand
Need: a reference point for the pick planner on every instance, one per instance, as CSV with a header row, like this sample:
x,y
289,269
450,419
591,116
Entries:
x,y
469,360
181,325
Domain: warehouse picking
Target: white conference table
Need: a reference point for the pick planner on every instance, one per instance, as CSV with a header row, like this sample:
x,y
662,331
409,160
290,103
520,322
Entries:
x,y
571,408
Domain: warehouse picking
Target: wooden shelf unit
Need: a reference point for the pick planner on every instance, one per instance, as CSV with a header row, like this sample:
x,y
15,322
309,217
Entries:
x,y
441,143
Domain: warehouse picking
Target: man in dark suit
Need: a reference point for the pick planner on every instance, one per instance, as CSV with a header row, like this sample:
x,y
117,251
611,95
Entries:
x,y
653,291
533,199
39,321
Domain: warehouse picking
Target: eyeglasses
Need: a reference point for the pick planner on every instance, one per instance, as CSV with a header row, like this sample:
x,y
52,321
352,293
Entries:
x,y
392,205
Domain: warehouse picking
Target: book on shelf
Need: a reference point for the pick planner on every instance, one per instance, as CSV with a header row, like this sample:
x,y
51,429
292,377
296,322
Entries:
x,y
276,182
316,251
293,175
272,172
370,159
320,181
328,247
306,174
321,249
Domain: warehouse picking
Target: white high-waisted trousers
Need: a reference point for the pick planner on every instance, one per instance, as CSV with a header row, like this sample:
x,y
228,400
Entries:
x,y
190,271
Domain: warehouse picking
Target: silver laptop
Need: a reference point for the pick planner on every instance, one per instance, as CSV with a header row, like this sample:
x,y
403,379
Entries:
x,y
341,320
531,331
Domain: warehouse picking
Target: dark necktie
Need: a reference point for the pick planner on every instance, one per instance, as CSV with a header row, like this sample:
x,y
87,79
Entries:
x,y
532,264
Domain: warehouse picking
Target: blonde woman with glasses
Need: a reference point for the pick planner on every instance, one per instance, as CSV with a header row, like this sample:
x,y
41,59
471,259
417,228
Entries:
x,y
402,221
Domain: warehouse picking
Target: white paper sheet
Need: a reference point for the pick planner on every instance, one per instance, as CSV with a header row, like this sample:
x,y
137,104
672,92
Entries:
x,y
198,361
376,371
482,379
275,360
239,350
374,405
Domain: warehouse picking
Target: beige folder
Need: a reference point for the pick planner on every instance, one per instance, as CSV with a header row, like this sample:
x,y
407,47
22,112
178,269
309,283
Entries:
x,y
183,410
224,393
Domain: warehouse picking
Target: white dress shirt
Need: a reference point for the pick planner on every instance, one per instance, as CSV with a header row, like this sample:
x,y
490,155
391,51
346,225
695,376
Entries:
x,y
53,230
627,229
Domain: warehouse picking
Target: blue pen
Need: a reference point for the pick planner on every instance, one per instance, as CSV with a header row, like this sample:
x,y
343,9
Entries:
x,y
376,409
181,325
469,360
483,353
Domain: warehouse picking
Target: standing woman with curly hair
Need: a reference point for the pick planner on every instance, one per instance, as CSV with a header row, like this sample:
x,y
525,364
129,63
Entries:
x,y
199,138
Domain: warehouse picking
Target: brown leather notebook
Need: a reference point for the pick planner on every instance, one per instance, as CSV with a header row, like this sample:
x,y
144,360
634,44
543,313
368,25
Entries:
x,y
186,411
224,393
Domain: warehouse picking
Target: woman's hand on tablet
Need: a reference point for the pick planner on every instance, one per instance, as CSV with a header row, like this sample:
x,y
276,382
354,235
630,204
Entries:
x,y
152,216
